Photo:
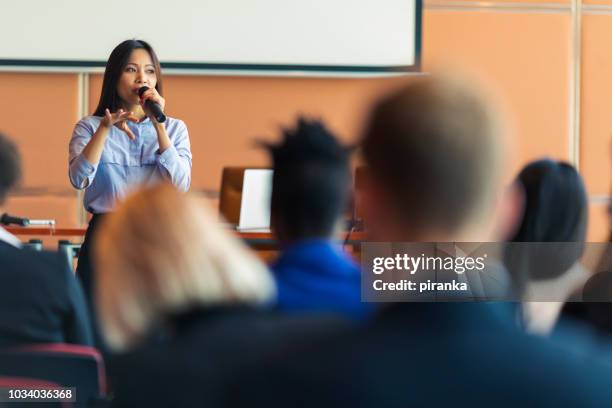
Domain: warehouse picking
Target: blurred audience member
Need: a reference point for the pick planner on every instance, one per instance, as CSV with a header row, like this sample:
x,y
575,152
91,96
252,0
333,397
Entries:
x,y
161,255
435,161
40,299
178,299
595,309
311,186
591,307
555,212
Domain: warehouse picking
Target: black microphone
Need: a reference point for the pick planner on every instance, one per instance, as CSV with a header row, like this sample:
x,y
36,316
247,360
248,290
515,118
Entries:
x,y
9,219
153,107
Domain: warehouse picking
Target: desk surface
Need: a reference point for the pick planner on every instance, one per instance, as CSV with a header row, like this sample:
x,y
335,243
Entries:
x,y
50,231
80,231
260,240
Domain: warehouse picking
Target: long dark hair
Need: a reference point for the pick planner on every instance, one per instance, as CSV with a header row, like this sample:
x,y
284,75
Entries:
x,y
556,203
109,98
556,208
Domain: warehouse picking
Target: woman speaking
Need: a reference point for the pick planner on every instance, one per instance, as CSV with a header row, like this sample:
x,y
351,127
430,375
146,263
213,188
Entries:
x,y
122,145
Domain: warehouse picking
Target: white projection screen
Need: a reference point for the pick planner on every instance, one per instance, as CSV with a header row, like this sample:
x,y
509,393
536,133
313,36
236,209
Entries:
x,y
221,35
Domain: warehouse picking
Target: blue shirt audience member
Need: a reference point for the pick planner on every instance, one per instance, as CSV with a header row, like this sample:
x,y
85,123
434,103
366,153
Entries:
x,y
310,190
316,275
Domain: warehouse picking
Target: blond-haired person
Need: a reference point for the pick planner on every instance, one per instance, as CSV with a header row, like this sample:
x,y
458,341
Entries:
x,y
182,300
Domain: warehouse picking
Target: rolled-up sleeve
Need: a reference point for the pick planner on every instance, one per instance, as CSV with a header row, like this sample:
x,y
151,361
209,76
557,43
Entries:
x,y
175,162
80,171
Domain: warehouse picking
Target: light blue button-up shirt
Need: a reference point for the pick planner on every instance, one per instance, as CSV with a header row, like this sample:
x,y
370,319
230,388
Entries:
x,y
127,164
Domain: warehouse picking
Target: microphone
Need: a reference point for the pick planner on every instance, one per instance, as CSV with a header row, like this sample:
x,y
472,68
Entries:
x,y
9,219
153,107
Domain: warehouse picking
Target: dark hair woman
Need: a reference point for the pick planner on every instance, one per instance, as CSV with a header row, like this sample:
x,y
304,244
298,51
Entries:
x,y
122,145
555,203
545,268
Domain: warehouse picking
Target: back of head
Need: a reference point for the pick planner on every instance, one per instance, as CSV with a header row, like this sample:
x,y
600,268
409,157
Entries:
x,y
10,167
431,147
555,207
554,211
161,253
311,181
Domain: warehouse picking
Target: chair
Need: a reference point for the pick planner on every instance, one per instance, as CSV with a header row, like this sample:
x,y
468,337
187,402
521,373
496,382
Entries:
x,y
230,194
21,383
69,365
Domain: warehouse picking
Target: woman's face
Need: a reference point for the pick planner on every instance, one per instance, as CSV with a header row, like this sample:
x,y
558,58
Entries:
x,y
138,72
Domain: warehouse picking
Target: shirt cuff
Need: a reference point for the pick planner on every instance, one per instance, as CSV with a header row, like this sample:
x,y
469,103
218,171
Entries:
x,y
168,158
82,168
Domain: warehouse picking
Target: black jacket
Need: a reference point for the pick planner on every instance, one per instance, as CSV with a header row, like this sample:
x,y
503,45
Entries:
x,y
193,365
430,355
41,301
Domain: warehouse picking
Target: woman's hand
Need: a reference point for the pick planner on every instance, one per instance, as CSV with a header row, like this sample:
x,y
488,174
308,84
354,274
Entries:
x,y
119,119
152,95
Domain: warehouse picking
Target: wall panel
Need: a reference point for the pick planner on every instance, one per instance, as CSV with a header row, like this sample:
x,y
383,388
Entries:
x,y
39,111
61,208
599,224
539,4
596,120
525,56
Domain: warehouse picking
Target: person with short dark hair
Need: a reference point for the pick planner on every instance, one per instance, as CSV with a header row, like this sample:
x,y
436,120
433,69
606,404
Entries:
x,y
310,190
40,299
431,162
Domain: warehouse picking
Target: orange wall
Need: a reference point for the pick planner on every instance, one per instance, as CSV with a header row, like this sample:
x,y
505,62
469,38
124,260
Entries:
x,y
525,54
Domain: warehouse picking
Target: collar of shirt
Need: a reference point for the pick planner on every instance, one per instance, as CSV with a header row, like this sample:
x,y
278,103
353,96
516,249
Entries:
x,y
9,238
